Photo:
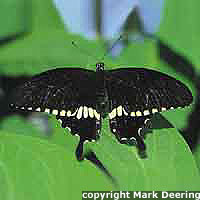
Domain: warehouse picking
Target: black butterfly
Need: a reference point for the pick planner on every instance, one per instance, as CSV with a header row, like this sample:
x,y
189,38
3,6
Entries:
x,y
81,98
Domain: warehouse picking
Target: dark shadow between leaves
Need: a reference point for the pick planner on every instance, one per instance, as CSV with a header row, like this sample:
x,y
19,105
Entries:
x,y
183,65
159,122
179,62
7,84
91,156
11,38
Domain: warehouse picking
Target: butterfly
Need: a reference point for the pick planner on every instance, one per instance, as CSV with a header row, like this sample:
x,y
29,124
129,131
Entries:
x,y
82,98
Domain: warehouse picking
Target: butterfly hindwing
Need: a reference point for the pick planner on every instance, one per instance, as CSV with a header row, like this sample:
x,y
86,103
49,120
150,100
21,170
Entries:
x,y
86,127
86,124
130,130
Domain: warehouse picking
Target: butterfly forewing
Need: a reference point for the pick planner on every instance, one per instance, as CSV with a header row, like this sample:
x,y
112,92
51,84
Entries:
x,y
142,91
59,91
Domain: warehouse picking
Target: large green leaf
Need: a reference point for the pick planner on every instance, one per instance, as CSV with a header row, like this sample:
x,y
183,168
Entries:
x,y
180,28
13,16
47,45
19,125
44,51
169,158
31,168
48,165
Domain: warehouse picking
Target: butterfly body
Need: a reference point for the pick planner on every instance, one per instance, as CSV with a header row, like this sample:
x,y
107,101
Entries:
x,y
102,99
81,98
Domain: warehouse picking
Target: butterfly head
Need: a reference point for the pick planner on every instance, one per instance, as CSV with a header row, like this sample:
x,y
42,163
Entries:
x,y
100,67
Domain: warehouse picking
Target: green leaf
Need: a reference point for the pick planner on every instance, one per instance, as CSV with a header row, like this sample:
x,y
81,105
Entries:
x,y
19,125
47,45
169,166
166,168
14,11
180,28
169,157
31,168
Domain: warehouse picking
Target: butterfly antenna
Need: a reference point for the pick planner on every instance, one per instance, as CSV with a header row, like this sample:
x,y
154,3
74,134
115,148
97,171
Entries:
x,y
112,46
82,51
